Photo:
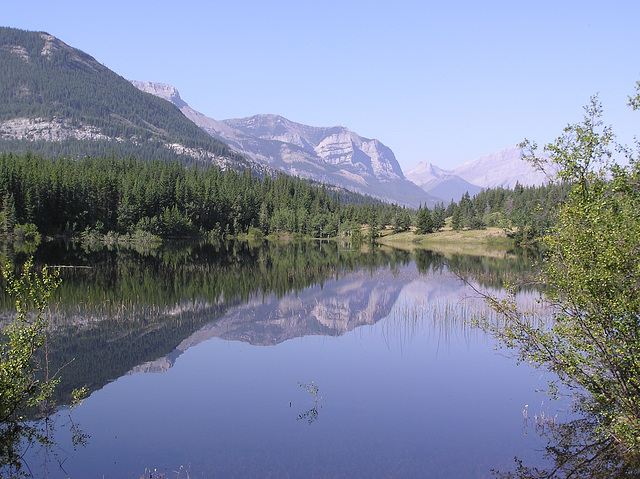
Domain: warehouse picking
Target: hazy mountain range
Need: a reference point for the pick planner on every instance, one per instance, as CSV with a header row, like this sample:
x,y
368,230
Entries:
x,y
59,101
504,168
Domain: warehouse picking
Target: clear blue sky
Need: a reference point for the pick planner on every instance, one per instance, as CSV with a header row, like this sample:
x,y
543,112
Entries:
x,y
444,82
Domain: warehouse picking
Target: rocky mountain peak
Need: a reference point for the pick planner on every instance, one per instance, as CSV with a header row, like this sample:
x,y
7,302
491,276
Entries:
x,y
424,173
76,60
504,168
336,145
162,90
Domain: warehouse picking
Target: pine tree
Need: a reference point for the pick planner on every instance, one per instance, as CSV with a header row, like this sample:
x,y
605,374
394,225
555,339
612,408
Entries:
x,y
457,220
8,215
424,222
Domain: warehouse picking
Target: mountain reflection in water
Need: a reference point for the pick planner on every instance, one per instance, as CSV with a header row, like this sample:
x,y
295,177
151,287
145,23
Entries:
x,y
339,306
409,390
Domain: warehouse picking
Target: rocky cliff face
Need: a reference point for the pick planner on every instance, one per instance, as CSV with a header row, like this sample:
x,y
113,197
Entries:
x,y
337,146
161,90
34,129
333,155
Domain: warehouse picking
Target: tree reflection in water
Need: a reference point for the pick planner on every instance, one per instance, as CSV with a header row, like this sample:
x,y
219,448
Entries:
x,y
38,438
576,449
124,308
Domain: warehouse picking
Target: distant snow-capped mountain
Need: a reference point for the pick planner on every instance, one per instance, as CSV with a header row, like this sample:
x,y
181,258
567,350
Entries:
x,y
334,155
504,168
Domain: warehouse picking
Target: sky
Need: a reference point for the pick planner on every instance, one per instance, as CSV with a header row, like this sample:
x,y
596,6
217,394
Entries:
x,y
443,82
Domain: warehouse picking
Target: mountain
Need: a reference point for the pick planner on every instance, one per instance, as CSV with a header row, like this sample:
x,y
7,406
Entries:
x,y
59,101
333,155
440,183
504,168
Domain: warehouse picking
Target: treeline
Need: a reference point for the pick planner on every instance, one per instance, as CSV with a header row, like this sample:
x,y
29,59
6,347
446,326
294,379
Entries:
x,y
524,212
126,196
131,198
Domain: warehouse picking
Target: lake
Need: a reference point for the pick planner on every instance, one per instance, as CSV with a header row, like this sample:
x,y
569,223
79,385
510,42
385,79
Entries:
x,y
286,360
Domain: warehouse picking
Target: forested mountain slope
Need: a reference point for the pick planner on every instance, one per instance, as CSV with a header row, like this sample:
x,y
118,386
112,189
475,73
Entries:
x,y
59,101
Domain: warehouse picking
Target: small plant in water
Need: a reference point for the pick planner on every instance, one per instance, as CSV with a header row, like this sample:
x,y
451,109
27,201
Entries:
x,y
541,421
311,388
310,415
155,474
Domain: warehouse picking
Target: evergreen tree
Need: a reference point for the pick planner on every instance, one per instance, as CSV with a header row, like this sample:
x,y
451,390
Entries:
x,y
438,216
8,215
372,235
457,220
424,221
401,221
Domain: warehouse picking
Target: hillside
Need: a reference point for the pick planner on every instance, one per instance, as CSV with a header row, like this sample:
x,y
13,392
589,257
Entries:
x,y
59,101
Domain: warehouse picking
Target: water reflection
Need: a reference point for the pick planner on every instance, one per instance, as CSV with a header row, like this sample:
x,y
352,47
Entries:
x,y
124,311
120,310
576,449
248,321
36,439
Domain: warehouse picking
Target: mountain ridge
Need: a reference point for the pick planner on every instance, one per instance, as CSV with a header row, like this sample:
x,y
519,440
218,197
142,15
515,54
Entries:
x,y
334,155
85,109
504,168
340,156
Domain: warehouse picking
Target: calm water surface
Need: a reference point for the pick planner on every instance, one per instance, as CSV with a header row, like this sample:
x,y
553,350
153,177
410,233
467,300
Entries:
x,y
405,387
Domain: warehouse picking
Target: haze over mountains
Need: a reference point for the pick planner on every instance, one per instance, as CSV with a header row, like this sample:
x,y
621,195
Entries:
x,y
504,168
59,101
